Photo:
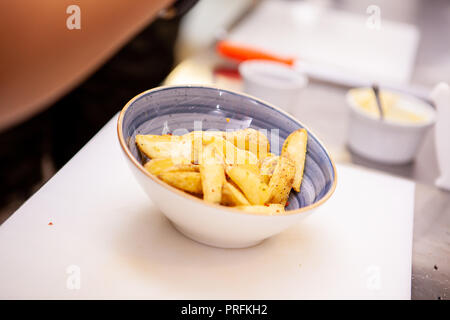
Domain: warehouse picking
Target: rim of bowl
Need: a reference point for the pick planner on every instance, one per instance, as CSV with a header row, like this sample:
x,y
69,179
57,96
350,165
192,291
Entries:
x,y
191,197
431,113
252,70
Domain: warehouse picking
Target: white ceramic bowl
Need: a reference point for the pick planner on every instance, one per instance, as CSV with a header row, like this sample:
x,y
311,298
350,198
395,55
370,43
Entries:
x,y
388,141
274,82
178,107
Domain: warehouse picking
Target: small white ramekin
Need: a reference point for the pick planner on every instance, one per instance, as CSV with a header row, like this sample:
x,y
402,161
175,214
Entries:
x,y
274,82
388,141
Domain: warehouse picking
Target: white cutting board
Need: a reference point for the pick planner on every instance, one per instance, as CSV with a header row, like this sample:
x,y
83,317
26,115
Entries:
x,y
332,40
107,234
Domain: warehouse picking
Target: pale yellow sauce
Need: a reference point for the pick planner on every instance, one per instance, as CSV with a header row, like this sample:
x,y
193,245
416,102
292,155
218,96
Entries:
x,y
393,108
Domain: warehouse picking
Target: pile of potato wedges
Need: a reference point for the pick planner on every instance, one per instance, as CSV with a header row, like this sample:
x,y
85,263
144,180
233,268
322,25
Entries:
x,y
233,169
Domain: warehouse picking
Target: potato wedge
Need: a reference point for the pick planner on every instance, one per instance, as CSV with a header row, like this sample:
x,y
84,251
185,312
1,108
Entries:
x,y
201,140
212,173
156,166
185,167
205,135
187,181
270,210
252,167
250,140
281,182
268,155
255,190
233,155
213,178
160,147
294,148
268,165
232,196
158,138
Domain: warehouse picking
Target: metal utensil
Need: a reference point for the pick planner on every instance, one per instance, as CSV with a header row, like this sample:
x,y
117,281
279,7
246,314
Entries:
x,y
376,91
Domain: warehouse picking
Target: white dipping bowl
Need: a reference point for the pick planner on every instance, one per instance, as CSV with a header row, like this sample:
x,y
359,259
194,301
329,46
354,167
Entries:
x,y
388,141
273,82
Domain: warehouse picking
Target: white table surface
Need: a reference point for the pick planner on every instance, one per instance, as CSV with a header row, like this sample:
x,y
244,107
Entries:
x,y
108,234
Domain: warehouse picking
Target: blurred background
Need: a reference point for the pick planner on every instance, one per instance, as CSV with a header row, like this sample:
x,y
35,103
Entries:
x,y
319,50
400,44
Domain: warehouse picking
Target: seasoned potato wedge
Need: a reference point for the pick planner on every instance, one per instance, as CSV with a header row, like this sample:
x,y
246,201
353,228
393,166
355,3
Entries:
x,y
251,167
205,135
270,210
231,154
156,166
248,139
187,181
184,167
232,196
281,182
294,148
268,155
267,167
149,138
166,147
255,190
213,178
200,139
251,140
212,173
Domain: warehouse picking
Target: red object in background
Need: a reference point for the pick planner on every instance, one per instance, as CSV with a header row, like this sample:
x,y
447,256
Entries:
x,y
241,53
227,72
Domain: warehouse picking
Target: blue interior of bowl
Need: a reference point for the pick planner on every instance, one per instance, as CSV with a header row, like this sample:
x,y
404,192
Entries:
x,y
181,109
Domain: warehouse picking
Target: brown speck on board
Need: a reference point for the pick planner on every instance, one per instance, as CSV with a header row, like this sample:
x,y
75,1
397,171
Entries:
x,y
436,267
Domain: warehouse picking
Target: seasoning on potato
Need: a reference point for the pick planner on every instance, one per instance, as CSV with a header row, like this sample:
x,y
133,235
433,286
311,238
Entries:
x,y
294,148
281,182
212,174
232,196
234,169
187,181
